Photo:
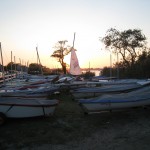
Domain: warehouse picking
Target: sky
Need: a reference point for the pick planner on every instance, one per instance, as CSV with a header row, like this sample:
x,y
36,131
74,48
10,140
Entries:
x,y
27,24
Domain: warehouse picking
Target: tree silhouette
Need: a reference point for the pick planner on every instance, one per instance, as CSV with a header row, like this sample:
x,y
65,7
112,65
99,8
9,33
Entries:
x,y
128,43
61,50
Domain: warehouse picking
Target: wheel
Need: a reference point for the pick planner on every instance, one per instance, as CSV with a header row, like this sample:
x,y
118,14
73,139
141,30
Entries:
x,y
2,119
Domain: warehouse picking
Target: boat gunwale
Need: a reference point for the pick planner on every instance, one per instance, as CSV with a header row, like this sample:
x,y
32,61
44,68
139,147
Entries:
x,y
30,105
83,101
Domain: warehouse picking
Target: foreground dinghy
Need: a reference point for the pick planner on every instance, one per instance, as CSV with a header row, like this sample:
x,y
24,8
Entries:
x,y
132,99
24,108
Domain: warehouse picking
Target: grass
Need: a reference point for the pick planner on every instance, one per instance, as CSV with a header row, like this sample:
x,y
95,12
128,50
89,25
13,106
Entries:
x,y
67,124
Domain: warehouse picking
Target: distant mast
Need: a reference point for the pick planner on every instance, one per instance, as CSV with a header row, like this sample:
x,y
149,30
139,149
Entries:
x,y
3,74
38,60
74,64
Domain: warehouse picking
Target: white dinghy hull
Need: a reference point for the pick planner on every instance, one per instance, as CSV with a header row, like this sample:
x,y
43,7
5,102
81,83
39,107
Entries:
x,y
24,108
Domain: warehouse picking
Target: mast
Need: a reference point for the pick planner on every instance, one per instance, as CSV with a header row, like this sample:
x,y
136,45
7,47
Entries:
x,y
11,67
117,67
74,39
27,65
89,66
20,66
15,63
38,60
2,64
110,64
37,55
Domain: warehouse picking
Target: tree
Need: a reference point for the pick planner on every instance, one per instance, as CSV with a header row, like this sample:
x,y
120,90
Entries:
x,y
142,65
16,67
128,43
61,50
34,68
10,66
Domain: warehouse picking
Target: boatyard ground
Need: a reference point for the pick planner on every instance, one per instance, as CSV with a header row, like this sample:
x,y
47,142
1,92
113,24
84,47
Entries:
x,y
70,129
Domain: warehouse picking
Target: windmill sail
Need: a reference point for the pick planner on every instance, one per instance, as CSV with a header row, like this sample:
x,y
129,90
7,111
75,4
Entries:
x,y
74,64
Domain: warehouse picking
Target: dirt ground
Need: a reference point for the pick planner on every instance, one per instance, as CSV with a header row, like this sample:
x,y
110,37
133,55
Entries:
x,y
70,129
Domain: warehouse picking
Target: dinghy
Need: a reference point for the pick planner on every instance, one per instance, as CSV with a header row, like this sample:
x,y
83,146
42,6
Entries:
x,y
99,91
138,98
25,107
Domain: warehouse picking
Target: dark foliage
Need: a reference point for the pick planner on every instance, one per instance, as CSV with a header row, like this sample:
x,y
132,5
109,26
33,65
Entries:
x,y
129,44
140,69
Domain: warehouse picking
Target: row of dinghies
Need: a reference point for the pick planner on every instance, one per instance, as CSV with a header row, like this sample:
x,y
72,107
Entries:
x,y
31,100
25,99
114,96
28,97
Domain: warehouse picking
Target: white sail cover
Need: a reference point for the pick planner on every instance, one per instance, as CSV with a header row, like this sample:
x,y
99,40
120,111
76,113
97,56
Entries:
x,y
74,64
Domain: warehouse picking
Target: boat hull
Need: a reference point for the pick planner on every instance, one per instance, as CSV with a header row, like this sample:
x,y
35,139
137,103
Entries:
x,y
108,106
99,91
137,98
27,108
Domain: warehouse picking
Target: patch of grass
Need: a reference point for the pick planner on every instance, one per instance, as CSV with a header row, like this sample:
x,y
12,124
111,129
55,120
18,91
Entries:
x,y
67,124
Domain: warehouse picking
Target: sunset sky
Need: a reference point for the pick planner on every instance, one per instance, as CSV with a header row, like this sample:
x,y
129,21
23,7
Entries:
x,y
25,24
